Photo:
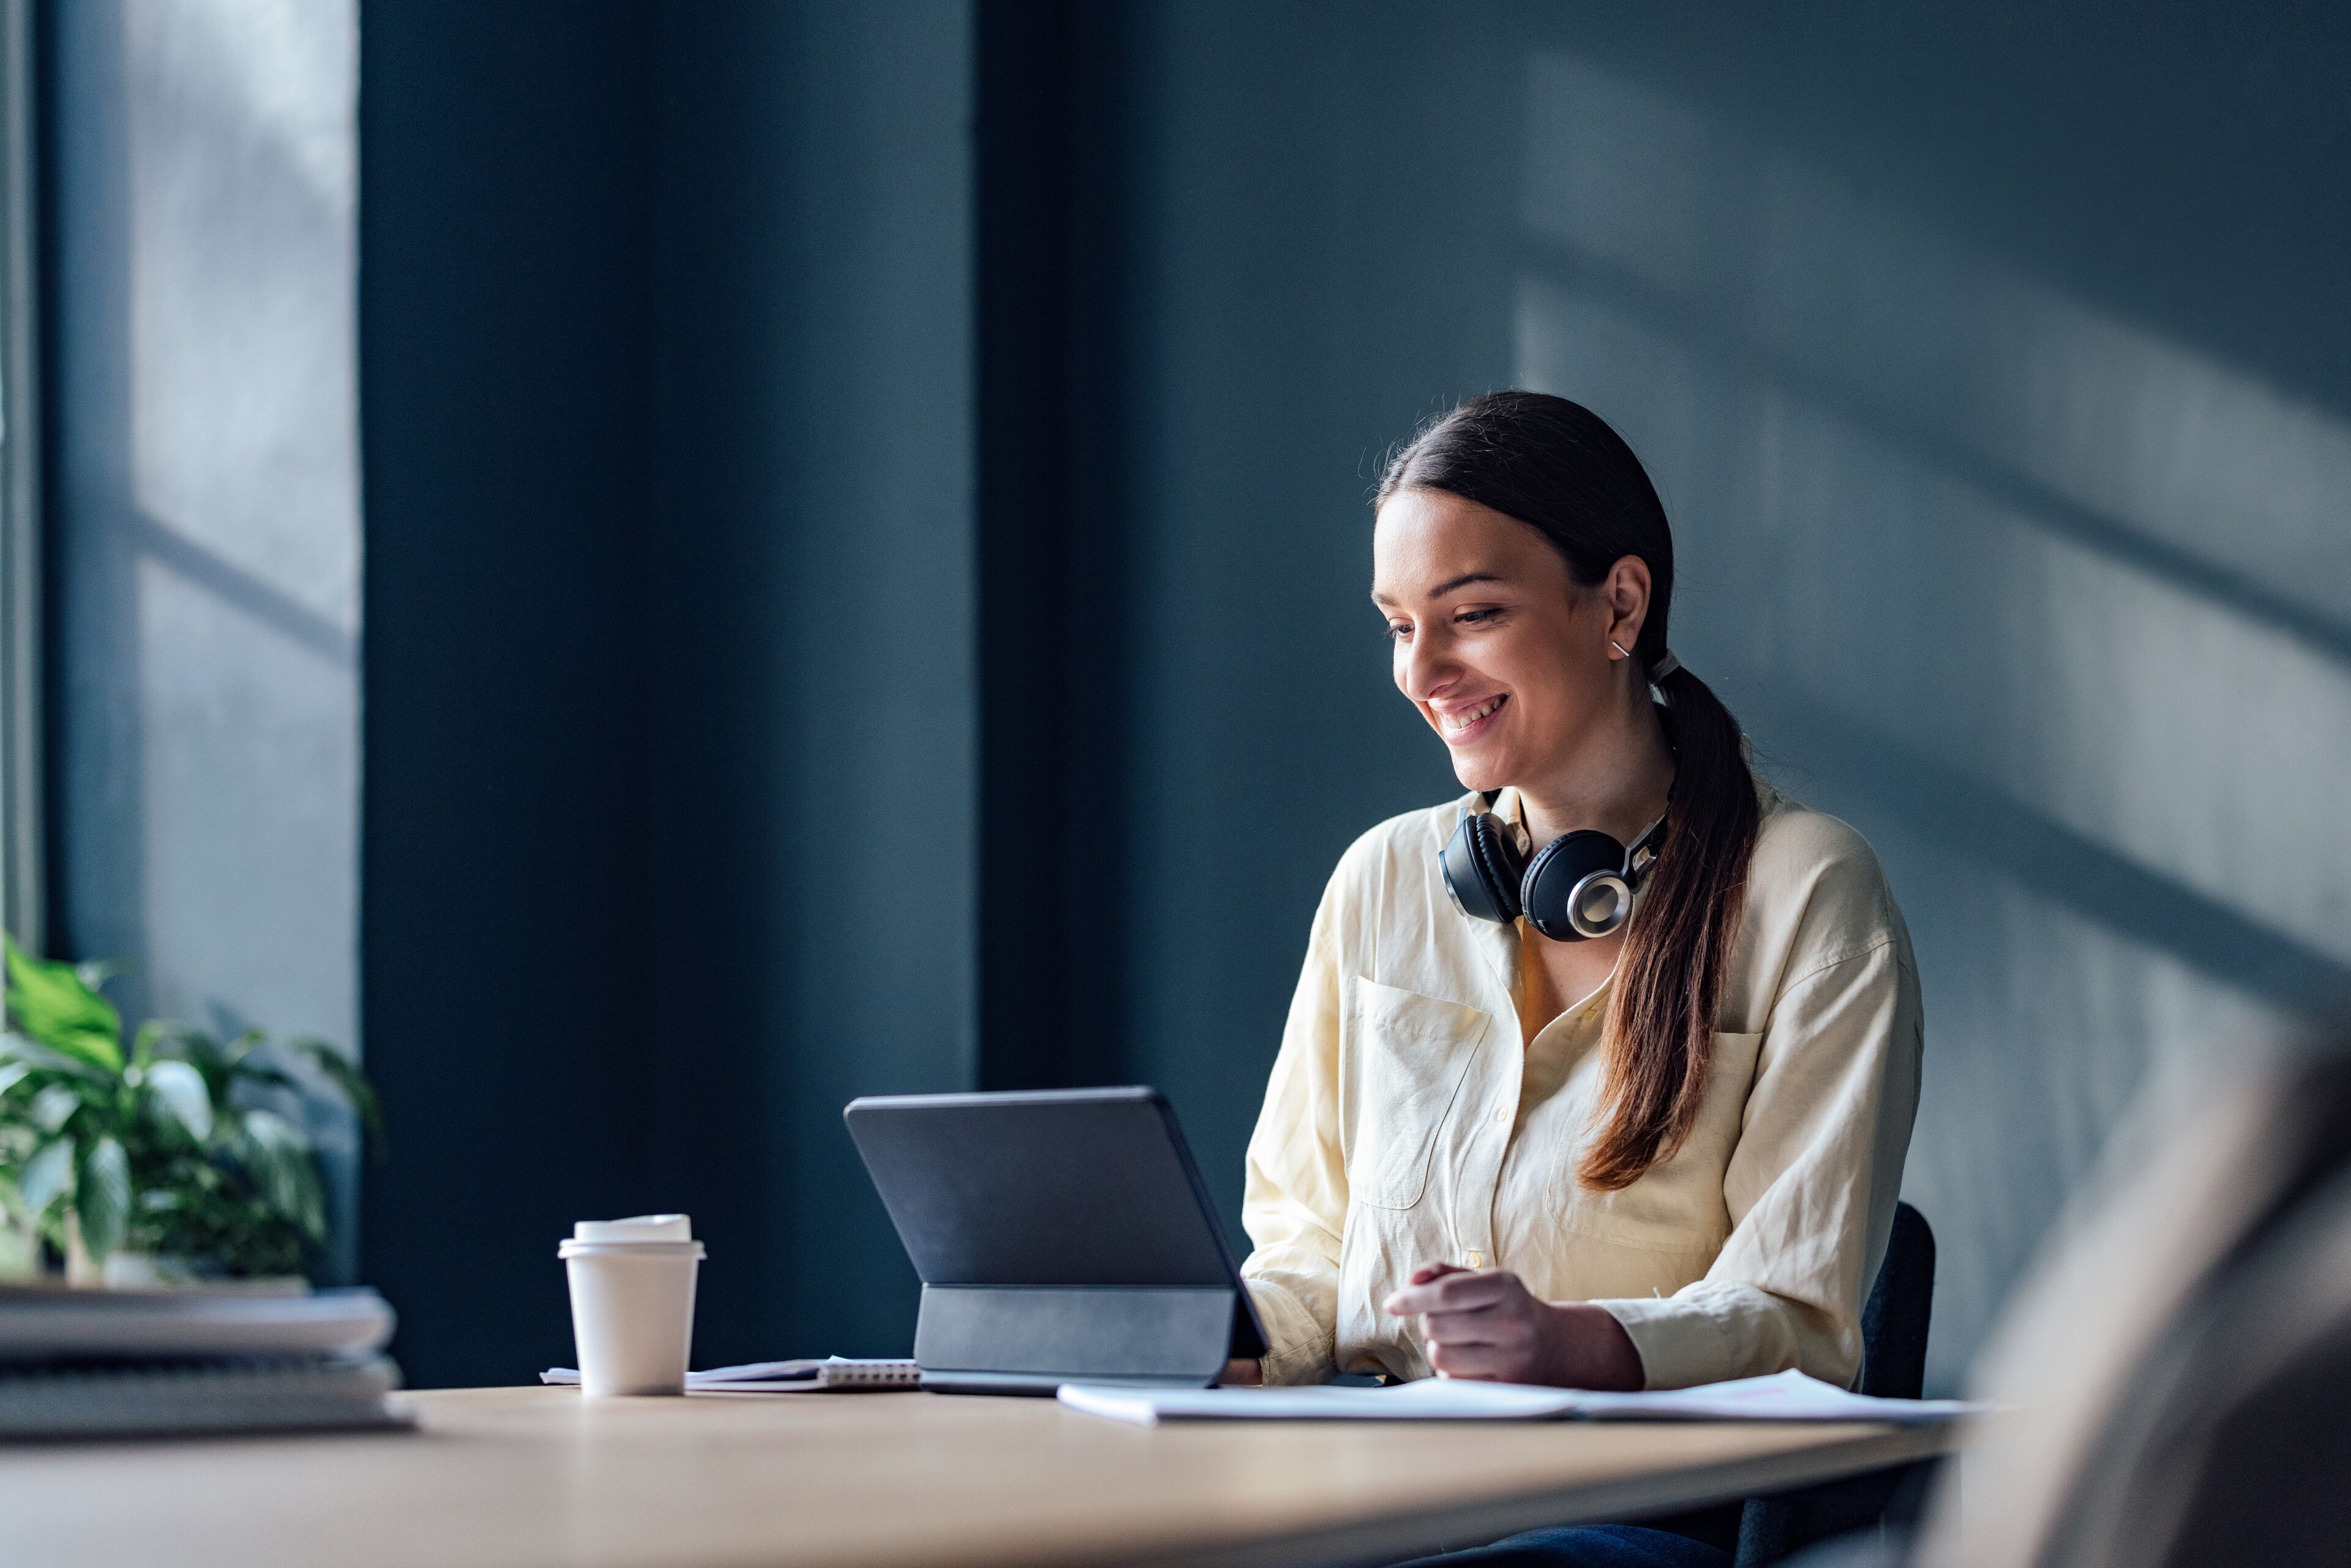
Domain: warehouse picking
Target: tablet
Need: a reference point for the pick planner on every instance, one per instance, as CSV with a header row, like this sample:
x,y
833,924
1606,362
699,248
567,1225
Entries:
x,y
1061,1235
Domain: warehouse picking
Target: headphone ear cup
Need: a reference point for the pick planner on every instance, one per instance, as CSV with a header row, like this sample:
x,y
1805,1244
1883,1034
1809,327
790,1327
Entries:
x,y
1548,894
1481,869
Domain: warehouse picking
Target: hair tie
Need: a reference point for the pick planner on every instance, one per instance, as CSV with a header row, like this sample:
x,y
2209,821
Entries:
x,y
1666,665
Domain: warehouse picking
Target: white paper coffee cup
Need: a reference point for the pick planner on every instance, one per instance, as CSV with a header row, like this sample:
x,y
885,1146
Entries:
x,y
633,1301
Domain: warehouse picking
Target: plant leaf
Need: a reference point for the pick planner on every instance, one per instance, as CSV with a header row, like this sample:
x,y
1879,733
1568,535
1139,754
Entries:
x,y
12,1073
170,1040
54,1005
142,1044
171,1037
182,1090
254,1070
102,1198
44,1175
54,1106
41,1059
350,1080
277,1156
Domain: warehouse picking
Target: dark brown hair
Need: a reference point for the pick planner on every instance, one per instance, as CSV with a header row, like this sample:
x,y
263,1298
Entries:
x,y
1556,466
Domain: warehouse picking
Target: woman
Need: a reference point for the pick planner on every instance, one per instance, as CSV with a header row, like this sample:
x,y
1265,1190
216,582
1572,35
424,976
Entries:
x,y
1662,1154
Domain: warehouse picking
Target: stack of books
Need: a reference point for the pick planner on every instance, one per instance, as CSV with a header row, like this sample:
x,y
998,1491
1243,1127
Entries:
x,y
91,1363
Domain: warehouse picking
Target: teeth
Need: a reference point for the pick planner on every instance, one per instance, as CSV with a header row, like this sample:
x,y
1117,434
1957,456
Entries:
x,y
1464,719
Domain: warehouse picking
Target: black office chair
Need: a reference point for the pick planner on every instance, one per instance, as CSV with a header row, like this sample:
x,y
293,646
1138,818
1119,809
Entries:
x,y
1892,1366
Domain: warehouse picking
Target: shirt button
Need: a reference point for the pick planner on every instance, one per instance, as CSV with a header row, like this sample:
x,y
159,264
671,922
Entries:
x,y
1477,1260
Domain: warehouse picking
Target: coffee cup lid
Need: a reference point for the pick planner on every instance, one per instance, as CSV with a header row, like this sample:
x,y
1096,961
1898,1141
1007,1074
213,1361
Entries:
x,y
643,1227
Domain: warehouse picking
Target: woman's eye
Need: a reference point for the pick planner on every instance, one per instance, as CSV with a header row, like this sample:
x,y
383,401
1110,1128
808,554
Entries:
x,y
1399,630
1475,617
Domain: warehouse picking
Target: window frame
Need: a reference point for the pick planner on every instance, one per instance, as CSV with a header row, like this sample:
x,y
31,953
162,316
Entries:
x,y
23,883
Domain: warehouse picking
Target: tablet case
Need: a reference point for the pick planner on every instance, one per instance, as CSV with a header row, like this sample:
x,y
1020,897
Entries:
x,y
1061,1236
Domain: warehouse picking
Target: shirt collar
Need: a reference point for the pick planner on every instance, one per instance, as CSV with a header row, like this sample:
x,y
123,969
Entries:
x,y
1510,809
1498,945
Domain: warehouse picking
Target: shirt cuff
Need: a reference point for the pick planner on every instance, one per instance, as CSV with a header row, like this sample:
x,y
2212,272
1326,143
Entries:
x,y
1679,1341
1297,1348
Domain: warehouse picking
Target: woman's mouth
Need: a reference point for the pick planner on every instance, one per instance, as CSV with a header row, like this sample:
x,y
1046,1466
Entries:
x,y
1465,724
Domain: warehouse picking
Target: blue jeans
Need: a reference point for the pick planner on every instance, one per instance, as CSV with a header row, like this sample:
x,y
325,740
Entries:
x,y
1586,1546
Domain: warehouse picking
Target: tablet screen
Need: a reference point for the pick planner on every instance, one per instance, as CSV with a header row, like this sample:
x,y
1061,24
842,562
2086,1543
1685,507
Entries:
x,y
1083,1187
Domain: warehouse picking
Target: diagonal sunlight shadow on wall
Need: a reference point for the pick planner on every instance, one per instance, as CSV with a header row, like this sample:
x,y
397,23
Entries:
x,y
2171,729
242,409
1976,377
2059,613
1732,340
2115,422
2053,861
235,588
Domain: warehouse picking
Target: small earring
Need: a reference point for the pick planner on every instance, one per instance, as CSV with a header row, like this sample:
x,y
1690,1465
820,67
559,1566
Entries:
x,y
1622,651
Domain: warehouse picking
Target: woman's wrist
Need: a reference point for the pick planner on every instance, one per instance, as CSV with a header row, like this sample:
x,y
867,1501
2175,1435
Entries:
x,y
1248,1372
1590,1349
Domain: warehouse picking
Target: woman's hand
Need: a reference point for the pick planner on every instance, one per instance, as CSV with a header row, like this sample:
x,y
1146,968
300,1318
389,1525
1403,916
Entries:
x,y
1484,1323
1247,1373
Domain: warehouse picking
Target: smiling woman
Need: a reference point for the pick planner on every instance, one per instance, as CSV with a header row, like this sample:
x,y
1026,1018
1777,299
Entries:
x,y
1603,1074
1563,606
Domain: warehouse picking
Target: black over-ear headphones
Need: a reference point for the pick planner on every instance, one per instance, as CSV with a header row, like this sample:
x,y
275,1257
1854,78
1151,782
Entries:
x,y
1581,885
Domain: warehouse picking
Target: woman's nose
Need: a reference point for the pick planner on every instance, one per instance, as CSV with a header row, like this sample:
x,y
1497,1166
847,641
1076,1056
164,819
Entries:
x,y
1427,665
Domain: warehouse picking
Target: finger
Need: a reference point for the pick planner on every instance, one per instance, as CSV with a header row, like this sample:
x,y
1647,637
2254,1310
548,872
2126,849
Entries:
x,y
1485,1326
1407,1299
1476,1362
1423,1276
1458,1288
1412,1299
1481,1287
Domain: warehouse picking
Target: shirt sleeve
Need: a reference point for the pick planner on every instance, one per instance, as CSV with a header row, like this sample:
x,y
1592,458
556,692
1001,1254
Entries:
x,y
1295,1205
1810,1187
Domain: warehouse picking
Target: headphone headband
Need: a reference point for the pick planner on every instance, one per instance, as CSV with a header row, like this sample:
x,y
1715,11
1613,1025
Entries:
x,y
1640,843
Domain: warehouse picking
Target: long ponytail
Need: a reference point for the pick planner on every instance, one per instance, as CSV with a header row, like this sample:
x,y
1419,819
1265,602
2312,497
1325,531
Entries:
x,y
1558,467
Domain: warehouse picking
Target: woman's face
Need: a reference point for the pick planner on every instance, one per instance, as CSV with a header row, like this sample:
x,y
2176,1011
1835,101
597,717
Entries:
x,y
1503,652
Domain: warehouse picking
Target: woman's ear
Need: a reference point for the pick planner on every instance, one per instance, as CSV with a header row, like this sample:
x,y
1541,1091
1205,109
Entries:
x,y
1626,593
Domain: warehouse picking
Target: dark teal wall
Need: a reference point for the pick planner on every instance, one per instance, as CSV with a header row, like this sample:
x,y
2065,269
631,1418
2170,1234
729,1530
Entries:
x,y
666,384
505,320
810,562
1309,261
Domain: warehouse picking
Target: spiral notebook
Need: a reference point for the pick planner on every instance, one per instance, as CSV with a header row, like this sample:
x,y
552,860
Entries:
x,y
833,1374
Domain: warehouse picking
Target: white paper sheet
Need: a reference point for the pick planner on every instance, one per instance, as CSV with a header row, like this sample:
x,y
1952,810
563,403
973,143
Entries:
x,y
1785,1397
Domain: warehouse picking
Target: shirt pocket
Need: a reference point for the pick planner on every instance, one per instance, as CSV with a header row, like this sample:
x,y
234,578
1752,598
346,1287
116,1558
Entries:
x,y
1405,1058
1677,1205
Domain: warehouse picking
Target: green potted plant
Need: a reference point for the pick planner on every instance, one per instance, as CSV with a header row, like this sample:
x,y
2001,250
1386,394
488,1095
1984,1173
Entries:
x,y
177,1148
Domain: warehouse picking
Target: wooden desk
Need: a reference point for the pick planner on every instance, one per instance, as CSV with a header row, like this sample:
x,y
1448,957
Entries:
x,y
506,1478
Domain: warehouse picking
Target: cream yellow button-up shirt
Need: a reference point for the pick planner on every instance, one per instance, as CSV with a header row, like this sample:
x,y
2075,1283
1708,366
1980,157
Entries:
x,y
1406,1124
